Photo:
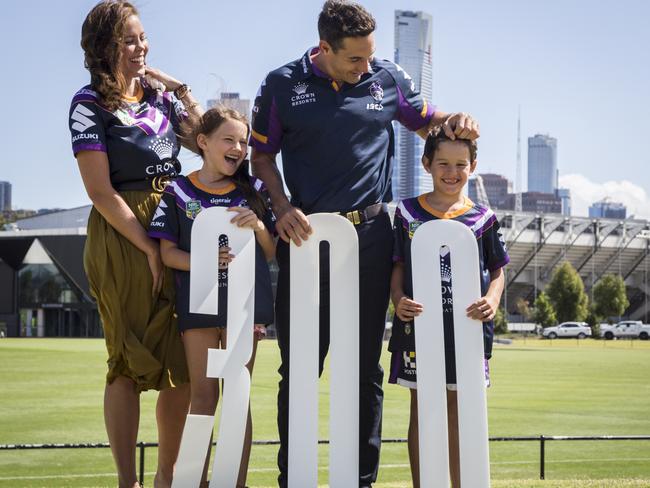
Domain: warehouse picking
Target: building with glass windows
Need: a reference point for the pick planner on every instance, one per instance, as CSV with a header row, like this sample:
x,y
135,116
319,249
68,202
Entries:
x,y
44,290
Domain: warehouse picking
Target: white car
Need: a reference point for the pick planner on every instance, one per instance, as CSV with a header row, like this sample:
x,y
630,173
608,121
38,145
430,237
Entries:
x,y
578,330
626,328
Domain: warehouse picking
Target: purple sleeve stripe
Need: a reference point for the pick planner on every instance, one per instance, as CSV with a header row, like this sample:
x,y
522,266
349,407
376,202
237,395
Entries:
x,y
398,259
156,234
499,264
83,97
409,116
263,147
77,148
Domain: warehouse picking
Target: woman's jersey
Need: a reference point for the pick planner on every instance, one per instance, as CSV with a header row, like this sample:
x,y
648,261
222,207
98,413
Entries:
x,y
139,138
413,212
182,200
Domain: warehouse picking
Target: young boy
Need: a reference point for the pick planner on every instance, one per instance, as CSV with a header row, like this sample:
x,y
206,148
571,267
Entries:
x,y
450,163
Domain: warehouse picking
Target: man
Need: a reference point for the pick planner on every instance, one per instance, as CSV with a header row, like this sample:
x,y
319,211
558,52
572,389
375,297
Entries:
x,y
330,115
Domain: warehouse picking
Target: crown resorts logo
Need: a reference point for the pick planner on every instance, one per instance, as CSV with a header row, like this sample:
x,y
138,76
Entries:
x,y
163,147
301,96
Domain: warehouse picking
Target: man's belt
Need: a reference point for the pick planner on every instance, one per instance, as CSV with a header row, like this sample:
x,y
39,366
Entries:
x,y
364,215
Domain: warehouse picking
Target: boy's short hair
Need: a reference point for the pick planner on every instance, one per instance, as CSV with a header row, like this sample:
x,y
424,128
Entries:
x,y
437,135
340,19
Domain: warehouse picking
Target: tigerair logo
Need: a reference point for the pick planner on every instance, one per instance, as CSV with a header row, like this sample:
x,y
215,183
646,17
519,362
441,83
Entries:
x,y
301,96
81,116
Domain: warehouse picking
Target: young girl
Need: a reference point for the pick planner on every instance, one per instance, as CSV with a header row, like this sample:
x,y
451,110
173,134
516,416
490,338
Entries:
x,y
221,140
450,162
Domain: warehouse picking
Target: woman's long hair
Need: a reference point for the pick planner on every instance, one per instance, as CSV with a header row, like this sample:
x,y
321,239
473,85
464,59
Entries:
x,y
101,41
211,121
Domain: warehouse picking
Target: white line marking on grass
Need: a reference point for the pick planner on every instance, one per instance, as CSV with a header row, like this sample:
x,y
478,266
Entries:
x,y
324,468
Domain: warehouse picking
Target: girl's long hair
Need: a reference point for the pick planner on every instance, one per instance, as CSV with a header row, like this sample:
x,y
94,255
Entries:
x,y
210,121
101,41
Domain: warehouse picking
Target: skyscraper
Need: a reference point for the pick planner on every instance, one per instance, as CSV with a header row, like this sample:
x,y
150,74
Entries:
x,y
413,34
608,209
5,196
542,164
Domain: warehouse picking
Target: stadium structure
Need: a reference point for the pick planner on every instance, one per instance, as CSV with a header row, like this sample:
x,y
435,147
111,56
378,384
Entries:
x,y
44,291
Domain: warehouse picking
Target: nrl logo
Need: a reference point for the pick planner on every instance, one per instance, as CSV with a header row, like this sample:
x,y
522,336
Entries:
x,y
300,88
377,91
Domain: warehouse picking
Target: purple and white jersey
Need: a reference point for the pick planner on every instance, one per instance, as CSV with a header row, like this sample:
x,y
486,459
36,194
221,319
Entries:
x,y
139,138
410,214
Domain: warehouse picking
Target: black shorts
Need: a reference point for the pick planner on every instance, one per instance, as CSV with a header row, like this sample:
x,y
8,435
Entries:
x,y
403,370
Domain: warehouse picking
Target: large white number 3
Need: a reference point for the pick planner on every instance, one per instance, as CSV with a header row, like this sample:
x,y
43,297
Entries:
x,y
229,363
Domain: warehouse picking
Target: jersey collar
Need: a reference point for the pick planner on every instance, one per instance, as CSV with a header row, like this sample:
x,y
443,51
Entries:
x,y
308,68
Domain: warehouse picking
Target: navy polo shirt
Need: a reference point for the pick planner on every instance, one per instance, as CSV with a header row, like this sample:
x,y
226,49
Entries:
x,y
337,142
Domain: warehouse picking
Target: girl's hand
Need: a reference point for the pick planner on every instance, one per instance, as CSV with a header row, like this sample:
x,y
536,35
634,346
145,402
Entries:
x,y
156,78
406,309
259,332
246,218
483,309
225,257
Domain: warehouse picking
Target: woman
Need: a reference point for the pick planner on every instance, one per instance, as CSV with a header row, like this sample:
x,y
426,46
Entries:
x,y
123,128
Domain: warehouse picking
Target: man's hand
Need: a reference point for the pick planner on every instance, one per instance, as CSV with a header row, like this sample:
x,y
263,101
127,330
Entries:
x,y
292,225
483,309
407,309
462,126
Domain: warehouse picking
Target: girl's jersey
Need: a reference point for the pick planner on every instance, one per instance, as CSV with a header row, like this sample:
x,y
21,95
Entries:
x,y
413,212
182,200
139,138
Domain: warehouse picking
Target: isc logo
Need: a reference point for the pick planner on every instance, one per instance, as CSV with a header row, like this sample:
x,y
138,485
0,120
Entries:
x,y
374,106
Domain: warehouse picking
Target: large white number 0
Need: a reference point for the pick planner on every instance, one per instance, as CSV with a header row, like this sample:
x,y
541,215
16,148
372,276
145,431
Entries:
x,y
430,353
344,354
229,363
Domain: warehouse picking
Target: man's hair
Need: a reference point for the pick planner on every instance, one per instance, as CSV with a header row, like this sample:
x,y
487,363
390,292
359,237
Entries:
x,y
340,19
437,136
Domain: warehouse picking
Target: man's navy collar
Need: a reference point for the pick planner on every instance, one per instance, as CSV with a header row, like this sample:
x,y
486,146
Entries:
x,y
307,67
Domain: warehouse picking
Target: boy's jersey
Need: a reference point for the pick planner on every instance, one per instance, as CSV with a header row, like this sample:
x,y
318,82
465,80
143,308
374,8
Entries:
x,y
182,200
139,138
413,212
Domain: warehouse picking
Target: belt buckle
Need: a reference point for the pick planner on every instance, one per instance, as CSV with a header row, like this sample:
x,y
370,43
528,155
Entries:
x,y
354,217
158,183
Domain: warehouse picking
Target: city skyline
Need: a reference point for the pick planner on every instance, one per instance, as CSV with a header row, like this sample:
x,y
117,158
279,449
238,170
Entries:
x,y
487,60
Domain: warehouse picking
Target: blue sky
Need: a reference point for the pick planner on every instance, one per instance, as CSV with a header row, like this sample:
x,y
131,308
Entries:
x,y
579,70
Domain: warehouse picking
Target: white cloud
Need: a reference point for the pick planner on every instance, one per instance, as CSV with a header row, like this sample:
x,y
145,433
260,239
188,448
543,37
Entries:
x,y
584,192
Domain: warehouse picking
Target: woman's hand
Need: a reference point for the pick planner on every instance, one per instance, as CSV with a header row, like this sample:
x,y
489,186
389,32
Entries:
x,y
160,80
406,309
246,218
156,267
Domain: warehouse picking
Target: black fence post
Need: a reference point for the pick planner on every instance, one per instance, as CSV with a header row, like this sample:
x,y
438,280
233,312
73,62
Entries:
x,y
541,457
141,445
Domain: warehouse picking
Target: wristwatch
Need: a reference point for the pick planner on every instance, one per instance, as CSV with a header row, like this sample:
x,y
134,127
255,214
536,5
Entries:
x,y
182,91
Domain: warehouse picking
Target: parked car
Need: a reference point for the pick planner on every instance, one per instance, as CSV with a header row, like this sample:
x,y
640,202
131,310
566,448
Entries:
x,y
578,330
626,328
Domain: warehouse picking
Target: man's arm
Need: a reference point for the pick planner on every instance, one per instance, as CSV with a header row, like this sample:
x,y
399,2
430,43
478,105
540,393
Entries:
x,y
291,223
459,125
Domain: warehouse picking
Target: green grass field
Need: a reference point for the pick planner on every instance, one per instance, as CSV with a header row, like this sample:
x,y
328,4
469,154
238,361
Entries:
x,y
51,392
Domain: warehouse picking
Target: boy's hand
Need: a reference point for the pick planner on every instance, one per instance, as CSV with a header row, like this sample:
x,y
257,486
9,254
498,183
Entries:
x,y
483,309
225,257
407,309
259,332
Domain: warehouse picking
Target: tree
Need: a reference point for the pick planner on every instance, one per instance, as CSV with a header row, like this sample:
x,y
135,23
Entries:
x,y
543,312
610,298
593,320
500,322
566,291
523,309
